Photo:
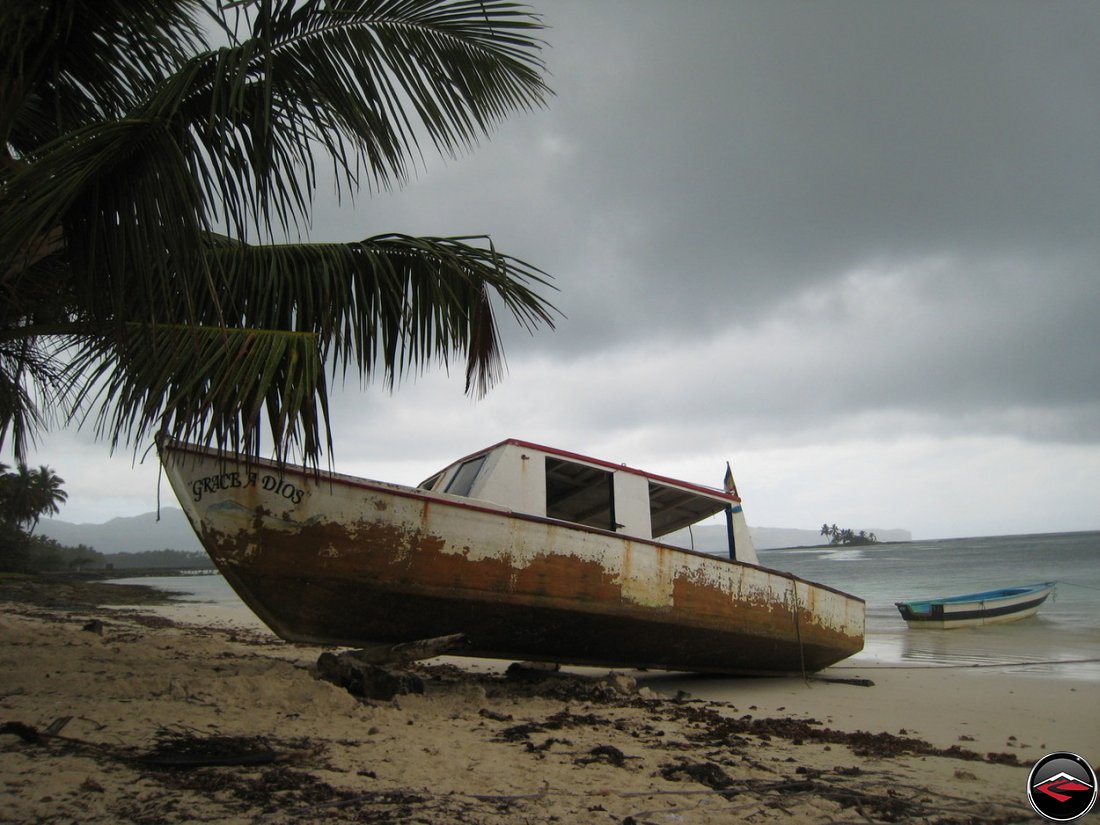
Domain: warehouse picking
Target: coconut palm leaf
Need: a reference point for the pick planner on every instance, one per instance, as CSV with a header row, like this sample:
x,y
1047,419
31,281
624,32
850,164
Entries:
x,y
231,135
128,140
395,299
69,63
205,384
389,305
28,375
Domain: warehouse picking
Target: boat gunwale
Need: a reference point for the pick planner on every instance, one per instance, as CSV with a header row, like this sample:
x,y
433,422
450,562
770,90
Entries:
x,y
485,506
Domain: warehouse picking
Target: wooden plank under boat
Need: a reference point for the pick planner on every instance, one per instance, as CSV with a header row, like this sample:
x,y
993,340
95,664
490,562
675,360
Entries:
x,y
1008,604
532,552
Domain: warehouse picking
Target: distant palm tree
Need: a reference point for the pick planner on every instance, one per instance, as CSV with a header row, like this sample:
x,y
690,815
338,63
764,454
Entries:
x,y
26,495
48,495
149,177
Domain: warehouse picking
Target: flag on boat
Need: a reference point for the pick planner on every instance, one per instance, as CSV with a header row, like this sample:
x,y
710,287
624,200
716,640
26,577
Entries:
x,y
728,482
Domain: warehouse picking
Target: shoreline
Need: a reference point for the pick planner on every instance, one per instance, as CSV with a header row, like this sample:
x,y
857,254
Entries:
x,y
479,746
80,590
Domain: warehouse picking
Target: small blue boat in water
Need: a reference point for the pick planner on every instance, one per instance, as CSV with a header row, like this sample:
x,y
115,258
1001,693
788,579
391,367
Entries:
x,y
973,609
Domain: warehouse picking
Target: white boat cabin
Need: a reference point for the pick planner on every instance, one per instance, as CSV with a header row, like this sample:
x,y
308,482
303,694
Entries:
x,y
543,481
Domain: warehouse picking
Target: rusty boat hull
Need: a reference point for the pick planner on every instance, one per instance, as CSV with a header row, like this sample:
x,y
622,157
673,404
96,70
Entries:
x,y
335,560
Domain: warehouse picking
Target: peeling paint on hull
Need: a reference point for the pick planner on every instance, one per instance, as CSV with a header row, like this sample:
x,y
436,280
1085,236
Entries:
x,y
342,561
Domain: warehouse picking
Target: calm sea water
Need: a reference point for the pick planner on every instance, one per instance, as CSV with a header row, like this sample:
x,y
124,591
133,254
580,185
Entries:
x,y
1064,638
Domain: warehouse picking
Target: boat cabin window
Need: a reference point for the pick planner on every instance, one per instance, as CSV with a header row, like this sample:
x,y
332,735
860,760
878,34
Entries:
x,y
431,482
580,494
463,480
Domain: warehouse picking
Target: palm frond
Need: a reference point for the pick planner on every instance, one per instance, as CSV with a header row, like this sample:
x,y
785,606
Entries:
x,y
126,203
126,140
357,79
31,389
385,307
206,384
69,63
231,135
394,301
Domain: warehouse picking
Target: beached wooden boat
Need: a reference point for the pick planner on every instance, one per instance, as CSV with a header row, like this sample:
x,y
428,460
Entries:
x,y
532,552
1008,604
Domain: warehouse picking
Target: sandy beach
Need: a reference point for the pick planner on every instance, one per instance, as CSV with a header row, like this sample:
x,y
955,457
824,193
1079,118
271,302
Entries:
x,y
112,715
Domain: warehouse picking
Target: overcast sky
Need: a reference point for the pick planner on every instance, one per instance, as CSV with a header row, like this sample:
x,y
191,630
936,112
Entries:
x,y
852,247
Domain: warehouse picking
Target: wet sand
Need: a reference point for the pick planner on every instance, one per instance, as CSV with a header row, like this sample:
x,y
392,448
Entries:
x,y
255,737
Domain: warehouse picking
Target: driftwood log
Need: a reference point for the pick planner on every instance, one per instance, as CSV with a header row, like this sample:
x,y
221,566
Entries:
x,y
374,673
401,654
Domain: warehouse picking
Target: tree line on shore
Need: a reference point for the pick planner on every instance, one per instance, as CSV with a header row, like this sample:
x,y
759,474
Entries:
x,y
26,496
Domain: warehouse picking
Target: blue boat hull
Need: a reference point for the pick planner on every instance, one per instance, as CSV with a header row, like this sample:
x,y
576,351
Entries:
x,y
1008,604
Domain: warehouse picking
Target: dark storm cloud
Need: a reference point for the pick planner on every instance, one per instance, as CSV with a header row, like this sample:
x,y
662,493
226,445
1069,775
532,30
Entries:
x,y
752,148
920,180
703,161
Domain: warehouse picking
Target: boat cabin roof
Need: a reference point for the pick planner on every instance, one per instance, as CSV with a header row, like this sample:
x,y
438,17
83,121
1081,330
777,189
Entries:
x,y
545,481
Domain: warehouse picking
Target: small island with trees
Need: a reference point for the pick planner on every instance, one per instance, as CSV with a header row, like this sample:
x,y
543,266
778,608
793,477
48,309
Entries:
x,y
847,537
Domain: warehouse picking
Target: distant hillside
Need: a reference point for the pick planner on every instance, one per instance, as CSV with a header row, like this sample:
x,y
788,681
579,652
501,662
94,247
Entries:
x,y
133,534
138,534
